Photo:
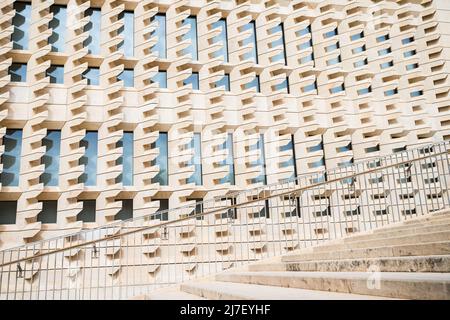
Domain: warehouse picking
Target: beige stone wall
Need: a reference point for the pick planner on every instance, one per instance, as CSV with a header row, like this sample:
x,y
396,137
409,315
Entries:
x,y
311,117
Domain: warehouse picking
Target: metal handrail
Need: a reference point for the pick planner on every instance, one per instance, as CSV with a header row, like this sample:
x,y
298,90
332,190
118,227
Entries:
x,y
218,210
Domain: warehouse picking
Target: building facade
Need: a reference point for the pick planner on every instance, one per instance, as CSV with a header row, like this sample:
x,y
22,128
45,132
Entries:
x,y
117,109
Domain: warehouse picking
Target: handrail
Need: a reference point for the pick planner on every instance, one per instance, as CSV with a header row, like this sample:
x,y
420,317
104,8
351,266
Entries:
x,y
202,214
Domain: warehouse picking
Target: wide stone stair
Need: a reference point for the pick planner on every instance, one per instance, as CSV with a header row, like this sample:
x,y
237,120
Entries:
x,y
408,260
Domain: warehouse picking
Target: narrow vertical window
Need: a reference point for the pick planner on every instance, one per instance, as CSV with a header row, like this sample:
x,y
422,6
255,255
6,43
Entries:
x,y
56,74
93,27
127,31
160,78
52,144
252,40
291,162
198,208
87,214
58,26
229,161
193,80
126,160
191,35
160,32
224,82
49,211
261,162
162,160
222,38
8,212
12,142
196,160
21,23
253,84
161,213
279,43
127,210
89,160
18,72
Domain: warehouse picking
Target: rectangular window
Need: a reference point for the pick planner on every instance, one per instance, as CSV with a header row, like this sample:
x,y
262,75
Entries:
x,y
56,74
280,42
92,75
162,160
409,53
160,48
346,148
21,23
8,212
196,160
357,36
127,31
89,160
230,213
252,40
332,47
253,84
52,143
387,65
87,214
384,52
383,38
305,59
263,212
12,142
198,208
334,61
304,31
407,40
412,66
416,93
18,72
127,76
389,93
261,162
191,35
318,147
361,63
193,80
222,38
283,86
127,210
337,89
126,160
224,82
307,45
372,149
291,162
310,87
93,27
359,49
229,161
364,91
161,79
49,211
330,34
161,213
58,26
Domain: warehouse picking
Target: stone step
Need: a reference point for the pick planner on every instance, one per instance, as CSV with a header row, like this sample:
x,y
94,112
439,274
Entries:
x,y
403,285
216,290
370,243
171,294
426,249
420,222
400,232
384,264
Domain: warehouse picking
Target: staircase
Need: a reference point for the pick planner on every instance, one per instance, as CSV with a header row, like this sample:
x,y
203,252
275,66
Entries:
x,y
408,260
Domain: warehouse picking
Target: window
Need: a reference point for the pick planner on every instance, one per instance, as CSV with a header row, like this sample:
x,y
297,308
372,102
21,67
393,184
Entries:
x,y
161,213
364,91
56,74
49,211
126,160
191,35
264,211
309,44
361,63
92,75
280,42
310,87
127,32
58,26
161,160
305,59
337,89
261,162
416,93
387,65
334,61
18,72
407,40
8,211
160,32
330,34
345,148
390,92
224,82
359,49
283,86
331,47
372,149
384,52
357,36
232,212
383,38
89,160
229,161
160,78
196,160
127,76
87,214
409,53
52,144
93,27
21,23
198,208
290,146
253,84
222,38
412,66
127,210
192,80
318,147
253,54
12,141
304,31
